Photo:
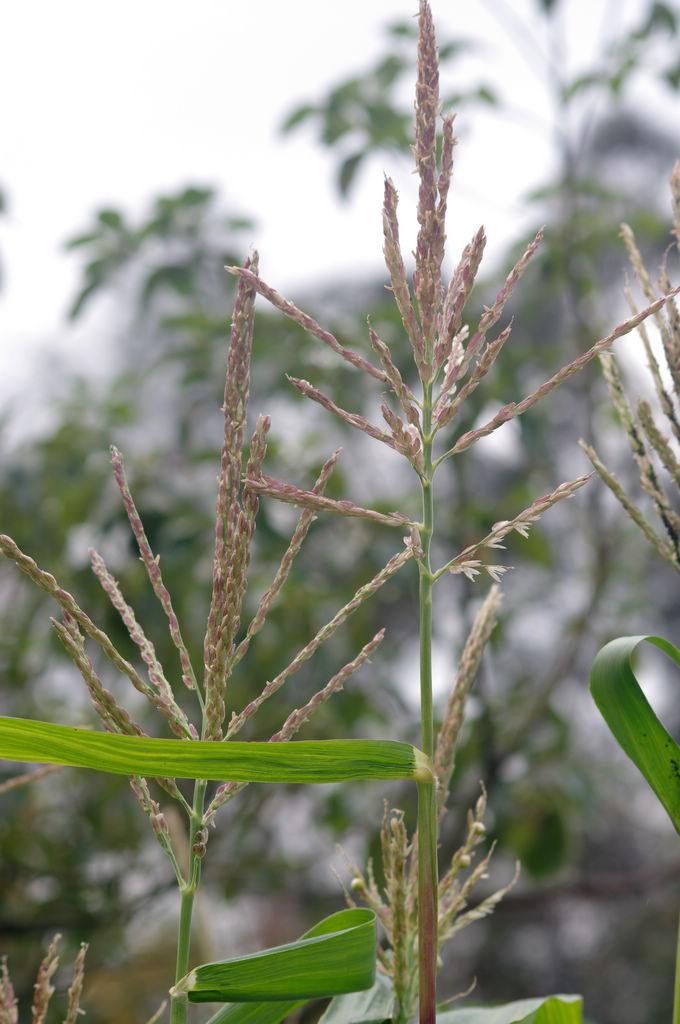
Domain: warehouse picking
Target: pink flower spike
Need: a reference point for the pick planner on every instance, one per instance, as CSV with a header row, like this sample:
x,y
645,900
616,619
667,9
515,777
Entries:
x,y
159,694
306,389
296,719
457,295
492,314
233,523
513,409
308,499
153,568
267,600
427,282
363,593
306,322
406,397
400,289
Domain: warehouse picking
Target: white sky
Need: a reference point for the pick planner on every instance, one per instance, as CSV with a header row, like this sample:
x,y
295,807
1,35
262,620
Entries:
x,y
116,103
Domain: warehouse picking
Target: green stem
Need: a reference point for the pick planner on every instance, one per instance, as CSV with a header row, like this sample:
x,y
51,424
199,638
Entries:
x,y
676,986
427,811
179,1004
427,902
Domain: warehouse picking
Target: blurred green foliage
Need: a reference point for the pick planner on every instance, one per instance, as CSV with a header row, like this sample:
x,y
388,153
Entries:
x,y
367,113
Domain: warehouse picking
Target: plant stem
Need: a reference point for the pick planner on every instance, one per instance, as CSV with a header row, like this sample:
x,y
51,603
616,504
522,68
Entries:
x,y
179,1005
427,811
676,986
427,902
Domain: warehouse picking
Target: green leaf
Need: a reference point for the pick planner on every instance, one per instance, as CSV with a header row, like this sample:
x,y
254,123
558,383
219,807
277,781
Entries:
x,y
543,1010
337,955
487,95
255,1013
371,1007
86,239
389,69
631,719
672,75
403,29
83,296
303,761
111,219
581,82
297,116
177,277
193,196
240,223
348,170
660,16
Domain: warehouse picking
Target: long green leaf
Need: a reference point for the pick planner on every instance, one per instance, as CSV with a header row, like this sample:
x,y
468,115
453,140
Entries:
x,y
303,761
543,1010
370,1007
255,1013
337,955
631,719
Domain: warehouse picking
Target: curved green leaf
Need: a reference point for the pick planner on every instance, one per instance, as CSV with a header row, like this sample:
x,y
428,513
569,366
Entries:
x,y
631,719
337,955
543,1010
373,1006
255,1013
303,761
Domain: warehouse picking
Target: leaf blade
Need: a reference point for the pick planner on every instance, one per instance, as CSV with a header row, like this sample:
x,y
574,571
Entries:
x,y
559,1009
632,720
304,761
338,955
255,1013
372,1006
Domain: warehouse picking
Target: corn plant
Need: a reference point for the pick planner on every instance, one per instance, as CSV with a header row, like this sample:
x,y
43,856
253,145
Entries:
x,y
613,682
417,911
